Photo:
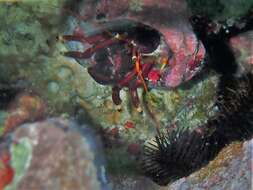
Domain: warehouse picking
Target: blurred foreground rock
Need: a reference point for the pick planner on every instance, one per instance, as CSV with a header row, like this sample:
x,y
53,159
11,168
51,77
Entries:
x,y
55,154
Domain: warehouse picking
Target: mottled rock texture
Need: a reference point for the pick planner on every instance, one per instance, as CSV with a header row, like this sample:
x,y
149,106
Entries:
x,y
30,52
56,157
231,169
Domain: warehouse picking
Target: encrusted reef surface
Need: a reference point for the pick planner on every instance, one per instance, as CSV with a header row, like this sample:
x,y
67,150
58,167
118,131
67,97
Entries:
x,y
38,82
231,169
31,59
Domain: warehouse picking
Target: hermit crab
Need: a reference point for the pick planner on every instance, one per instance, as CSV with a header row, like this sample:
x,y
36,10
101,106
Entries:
x,y
125,52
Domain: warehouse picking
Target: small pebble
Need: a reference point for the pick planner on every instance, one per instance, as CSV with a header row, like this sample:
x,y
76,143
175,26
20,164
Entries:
x,y
53,87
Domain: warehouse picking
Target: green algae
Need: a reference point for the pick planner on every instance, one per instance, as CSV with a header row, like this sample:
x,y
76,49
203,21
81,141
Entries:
x,y
188,108
220,8
21,154
119,162
3,116
234,8
26,31
136,5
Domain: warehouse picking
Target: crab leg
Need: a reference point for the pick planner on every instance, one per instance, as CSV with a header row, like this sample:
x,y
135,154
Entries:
x,y
129,76
79,35
82,38
99,78
145,71
134,97
146,68
116,95
138,67
90,51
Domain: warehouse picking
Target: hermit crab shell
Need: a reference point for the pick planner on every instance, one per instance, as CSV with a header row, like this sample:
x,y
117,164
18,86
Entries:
x,y
176,42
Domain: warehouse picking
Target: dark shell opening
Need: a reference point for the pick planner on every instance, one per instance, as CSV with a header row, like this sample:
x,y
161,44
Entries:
x,y
146,37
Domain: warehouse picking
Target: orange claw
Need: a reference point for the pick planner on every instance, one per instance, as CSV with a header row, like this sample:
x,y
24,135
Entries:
x,y
137,59
164,62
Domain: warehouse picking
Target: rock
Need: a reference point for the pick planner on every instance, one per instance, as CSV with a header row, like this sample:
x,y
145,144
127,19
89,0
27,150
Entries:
x,y
53,87
133,183
134,148
24,108
66,84
231,169
53,154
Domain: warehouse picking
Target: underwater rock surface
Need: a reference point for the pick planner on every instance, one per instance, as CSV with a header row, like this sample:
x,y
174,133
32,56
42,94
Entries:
x,y
68,89
231,169
30,52
52,154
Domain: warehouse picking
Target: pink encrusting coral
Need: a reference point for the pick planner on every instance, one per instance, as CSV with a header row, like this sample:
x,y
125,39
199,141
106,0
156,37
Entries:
x,y
243,49
188,56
